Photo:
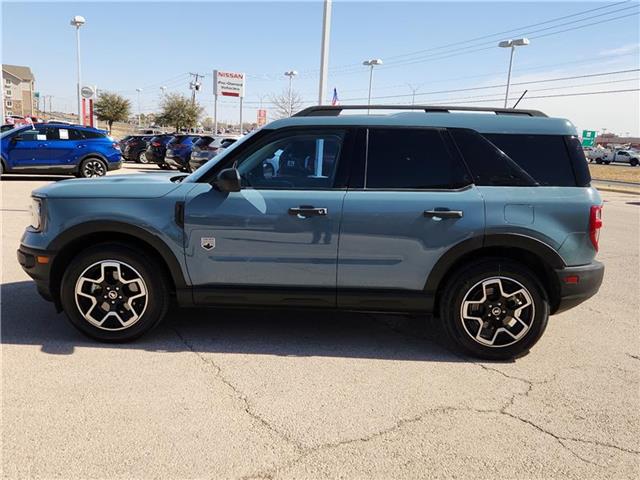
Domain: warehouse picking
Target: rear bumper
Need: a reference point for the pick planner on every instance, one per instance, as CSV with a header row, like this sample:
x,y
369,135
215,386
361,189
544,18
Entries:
x,y
32,262
114,165
578,284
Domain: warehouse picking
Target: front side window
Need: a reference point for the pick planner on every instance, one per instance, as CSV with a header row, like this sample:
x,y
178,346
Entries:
x,y
414,159
298,161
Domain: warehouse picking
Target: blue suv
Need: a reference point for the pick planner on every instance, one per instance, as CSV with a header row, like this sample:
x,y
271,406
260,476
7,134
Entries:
x,y
486,220
59,149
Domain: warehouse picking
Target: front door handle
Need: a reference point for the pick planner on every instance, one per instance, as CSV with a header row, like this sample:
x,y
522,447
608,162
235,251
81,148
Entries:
x,y
443,213
304,211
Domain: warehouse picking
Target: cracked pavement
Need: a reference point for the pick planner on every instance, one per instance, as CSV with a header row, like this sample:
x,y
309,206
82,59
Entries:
x,y
289,395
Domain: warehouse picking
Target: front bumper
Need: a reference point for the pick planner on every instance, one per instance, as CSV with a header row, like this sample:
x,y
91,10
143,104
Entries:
x,y
578,284
37,264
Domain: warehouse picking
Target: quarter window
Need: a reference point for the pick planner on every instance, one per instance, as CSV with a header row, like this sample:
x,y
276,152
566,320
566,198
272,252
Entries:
x,y
299,161
413,159
544,157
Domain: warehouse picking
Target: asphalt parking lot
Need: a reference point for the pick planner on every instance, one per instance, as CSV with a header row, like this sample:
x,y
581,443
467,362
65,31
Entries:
x,y
252,394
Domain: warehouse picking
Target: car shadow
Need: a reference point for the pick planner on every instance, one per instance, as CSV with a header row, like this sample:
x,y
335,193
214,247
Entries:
x,y
26,319
34,178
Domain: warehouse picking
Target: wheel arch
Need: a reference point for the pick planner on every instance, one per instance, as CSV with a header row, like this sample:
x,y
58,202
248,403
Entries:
x,y
71,242
534,254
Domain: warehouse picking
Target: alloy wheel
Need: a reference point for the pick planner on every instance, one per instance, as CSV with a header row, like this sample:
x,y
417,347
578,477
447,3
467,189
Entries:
x,y
93,168
497,311
111,295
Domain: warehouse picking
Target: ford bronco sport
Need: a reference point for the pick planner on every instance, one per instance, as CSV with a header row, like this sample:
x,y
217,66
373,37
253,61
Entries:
x,y
443,210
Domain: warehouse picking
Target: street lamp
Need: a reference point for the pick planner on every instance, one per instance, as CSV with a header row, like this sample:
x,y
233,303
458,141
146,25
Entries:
x,y
518,42
371,63
291,74
77,22
139,90
163,90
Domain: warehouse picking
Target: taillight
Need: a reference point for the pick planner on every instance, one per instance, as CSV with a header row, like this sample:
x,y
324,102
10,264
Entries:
x,y
156,144
595,224
116,145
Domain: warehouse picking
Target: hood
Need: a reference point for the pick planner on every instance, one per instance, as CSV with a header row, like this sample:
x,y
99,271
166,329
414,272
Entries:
x,y
144,185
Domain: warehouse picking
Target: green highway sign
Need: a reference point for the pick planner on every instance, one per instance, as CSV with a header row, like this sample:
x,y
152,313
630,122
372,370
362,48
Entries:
x,y
588,138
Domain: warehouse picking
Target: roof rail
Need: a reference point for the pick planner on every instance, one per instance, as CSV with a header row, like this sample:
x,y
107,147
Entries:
x,y
335,110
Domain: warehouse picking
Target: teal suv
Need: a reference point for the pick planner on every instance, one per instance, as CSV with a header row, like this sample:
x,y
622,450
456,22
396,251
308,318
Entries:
x,y
484,218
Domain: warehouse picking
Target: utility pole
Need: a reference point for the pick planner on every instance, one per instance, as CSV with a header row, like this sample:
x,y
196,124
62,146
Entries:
x,y
413,89
324,50
194,85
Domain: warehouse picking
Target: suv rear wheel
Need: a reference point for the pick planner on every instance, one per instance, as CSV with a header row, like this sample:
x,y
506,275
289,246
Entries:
x,y
494,309
142,157
92,167
113,293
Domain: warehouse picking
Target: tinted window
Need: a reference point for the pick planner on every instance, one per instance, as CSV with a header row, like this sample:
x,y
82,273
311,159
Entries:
x,y
203,141
544,157
578,161
412,159
90,134
306,161
487,163
227,141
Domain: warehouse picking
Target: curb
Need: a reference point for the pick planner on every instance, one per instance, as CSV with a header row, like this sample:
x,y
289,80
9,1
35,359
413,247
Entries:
x,y
617,190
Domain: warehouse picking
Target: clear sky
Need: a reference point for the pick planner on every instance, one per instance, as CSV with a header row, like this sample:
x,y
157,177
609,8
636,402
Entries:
x,y
136,44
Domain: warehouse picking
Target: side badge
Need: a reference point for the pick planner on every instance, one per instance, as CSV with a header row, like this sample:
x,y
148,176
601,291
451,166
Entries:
x,y
208,243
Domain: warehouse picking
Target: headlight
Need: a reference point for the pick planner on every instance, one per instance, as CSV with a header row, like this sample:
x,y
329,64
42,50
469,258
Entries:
x,y
36,213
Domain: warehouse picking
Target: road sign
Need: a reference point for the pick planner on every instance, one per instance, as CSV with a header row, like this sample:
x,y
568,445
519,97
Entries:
x,y
228,84
262,117
87,92
589,138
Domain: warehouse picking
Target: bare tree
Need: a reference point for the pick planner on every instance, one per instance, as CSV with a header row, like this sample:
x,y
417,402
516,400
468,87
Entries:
x,y
281,103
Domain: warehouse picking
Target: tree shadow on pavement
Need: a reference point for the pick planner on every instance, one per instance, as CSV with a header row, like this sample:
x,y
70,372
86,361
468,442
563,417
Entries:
x,y
27,319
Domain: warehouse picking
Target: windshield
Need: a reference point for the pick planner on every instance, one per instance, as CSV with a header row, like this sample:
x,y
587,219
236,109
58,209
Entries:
x,y
13,130
195,176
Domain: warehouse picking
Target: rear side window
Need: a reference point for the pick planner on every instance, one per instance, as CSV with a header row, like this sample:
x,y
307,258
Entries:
x,y
578,161
90,134
413,159
54,133
203,141
544,157
489,165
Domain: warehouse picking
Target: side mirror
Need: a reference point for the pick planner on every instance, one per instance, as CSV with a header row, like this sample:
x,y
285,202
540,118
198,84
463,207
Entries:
x,y
228,180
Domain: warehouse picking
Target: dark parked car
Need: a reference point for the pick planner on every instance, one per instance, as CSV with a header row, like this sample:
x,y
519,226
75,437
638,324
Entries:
x,y
157,149
134,148
179,151
206,148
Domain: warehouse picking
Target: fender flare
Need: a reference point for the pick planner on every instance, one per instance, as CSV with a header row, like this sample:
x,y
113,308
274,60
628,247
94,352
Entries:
x,y
110,226
540,249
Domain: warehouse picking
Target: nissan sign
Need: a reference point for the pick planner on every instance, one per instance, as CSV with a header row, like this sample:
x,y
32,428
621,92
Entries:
x,y
228,84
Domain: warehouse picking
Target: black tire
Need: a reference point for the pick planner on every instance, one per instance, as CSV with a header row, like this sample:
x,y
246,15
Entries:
x,y
164,166
606,162
633,162
144,312
598,161
1,167
92,167
142,157
465,283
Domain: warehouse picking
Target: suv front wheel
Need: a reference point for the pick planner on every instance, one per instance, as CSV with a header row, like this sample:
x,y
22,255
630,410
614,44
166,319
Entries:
x,y
113,293
494,309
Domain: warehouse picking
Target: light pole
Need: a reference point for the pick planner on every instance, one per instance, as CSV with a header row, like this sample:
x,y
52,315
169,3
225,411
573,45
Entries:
x,y
512,44
291,74
163,90
371,63
77,22
324,50
139,90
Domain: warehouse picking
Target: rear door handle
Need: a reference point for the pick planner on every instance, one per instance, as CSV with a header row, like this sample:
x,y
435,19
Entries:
x,y
308,211
443,213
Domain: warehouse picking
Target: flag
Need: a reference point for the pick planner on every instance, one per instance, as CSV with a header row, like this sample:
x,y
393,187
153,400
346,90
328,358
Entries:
x,y
334,100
